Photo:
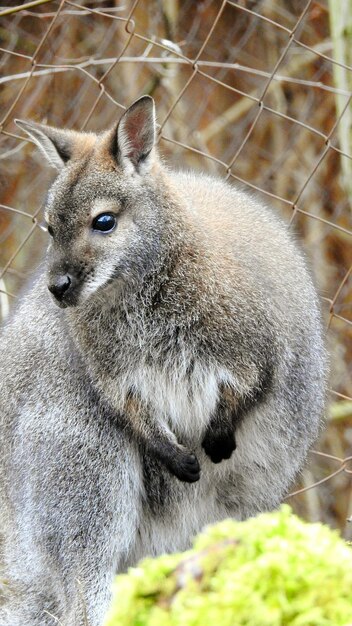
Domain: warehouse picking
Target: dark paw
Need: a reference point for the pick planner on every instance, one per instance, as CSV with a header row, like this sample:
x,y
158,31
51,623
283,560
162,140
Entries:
x,y
220,447
185,467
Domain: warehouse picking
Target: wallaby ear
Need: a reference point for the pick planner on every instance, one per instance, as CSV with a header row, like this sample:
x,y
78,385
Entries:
x,y
136,132
56,144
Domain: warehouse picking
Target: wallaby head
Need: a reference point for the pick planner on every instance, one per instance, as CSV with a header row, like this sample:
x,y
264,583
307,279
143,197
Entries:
x,y
101,211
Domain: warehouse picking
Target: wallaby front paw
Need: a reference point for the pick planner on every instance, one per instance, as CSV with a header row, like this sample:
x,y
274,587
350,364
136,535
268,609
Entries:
x,y
219,446
185,466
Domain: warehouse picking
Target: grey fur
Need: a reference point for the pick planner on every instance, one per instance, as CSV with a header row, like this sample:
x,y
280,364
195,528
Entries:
x,y
200,303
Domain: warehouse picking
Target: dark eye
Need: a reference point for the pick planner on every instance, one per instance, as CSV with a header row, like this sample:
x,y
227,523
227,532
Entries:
x,y
105,222
50,231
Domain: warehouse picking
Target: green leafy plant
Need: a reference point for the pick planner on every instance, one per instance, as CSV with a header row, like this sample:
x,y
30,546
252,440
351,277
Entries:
x,y
273,570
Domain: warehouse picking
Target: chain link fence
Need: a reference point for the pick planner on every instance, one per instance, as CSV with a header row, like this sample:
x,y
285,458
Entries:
x,y
256,91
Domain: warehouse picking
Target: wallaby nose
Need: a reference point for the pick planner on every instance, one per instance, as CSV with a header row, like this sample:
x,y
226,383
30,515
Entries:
x,y
60,286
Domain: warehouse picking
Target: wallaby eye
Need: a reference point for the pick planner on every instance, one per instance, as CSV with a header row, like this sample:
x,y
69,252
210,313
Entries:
x,y
50,230
105,222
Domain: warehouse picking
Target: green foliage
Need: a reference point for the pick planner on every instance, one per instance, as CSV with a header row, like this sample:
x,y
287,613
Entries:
x,y
273,570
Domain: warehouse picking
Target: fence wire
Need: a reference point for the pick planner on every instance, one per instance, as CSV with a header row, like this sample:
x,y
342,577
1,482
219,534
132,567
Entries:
x,y
255,91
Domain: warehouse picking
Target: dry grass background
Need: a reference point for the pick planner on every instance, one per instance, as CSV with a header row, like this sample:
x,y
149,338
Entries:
x,y
254,91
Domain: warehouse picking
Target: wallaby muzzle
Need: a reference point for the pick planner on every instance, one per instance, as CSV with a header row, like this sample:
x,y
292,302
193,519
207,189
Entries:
x,y
64,288
61,286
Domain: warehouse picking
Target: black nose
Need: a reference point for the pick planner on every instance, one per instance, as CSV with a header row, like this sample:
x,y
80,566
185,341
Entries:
x,y
60,286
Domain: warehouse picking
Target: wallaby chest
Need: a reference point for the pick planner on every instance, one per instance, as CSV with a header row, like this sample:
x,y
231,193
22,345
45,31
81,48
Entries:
x,y
159,360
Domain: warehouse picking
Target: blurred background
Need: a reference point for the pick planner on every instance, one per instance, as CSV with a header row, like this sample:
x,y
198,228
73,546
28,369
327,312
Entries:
x,y
255,91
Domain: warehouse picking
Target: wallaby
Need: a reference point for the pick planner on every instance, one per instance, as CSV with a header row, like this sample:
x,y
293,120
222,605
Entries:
x,y
187,342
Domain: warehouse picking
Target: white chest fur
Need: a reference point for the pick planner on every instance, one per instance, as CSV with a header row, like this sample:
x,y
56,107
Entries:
x,y
183,400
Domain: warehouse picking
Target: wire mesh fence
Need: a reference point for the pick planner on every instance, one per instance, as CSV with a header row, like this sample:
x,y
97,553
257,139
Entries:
x,y
256,91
